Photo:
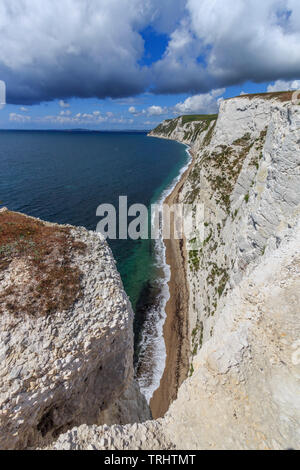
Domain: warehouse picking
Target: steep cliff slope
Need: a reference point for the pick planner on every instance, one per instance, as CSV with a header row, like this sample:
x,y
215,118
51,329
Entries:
x,y
246,173
186,129
66,339
244,391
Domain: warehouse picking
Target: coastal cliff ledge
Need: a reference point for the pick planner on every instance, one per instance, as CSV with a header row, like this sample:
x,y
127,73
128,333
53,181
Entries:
x,y
66,335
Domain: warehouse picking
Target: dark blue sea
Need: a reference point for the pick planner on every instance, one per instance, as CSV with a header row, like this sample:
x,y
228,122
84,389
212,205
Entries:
x,y
64,176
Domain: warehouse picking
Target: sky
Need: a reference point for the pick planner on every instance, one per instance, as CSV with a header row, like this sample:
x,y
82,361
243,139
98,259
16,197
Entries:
x,y
129,64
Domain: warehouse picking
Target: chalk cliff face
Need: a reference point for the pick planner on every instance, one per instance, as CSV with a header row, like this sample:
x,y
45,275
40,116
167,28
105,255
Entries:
x,y
247,177
66,340
244,286
190,130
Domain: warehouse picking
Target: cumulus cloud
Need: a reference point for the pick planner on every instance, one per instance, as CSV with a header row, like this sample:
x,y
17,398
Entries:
x,y
281,85
83,48
156,111
136,112
94,48
65,113
224,43
15,117
207,103
63,104
132,110
65,118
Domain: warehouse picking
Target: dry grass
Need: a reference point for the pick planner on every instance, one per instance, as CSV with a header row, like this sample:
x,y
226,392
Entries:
x,y
282,96
36,261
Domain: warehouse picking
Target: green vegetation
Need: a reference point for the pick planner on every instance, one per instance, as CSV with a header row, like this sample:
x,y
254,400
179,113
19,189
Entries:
x,y
259,146
217,272
169,125
208,137
197,338
194,260
166,129
198,117
207,240
243,141
224,167
223,282
234,214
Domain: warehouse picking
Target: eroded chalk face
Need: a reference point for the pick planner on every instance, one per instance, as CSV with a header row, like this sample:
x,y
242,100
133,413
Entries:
x,y
296,98
2,94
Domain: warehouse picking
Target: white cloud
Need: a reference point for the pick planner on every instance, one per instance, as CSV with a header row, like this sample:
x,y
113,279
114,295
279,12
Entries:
x,y
132,110
207,103
66,118
63,104
156,111
281,85
88,119
15,117
96,49
23,109
136,112
86,48
222,43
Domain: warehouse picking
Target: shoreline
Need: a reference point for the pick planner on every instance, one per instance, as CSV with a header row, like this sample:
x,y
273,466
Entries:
x,y
152,344
176,326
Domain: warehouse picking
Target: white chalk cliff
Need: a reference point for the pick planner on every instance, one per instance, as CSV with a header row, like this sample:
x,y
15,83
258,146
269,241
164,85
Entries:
x,y
244,283
66,348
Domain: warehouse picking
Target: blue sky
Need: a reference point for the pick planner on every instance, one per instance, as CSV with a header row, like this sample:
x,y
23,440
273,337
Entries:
x,y
129,64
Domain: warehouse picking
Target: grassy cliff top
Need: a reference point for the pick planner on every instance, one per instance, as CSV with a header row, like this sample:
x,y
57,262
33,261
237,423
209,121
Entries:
x,y
279,95
198,117
36,269
169,125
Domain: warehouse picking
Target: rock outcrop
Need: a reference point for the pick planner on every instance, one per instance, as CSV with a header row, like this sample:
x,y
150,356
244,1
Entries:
x,y
244,283
66,334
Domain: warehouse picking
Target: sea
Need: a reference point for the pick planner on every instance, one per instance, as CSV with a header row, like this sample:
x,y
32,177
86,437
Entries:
x,y
63,176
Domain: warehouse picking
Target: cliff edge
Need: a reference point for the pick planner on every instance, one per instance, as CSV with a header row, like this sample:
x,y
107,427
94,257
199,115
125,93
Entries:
x,y
66,335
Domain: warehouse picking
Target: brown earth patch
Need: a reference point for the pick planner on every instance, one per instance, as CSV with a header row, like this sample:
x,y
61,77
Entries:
x,y
37,274
282,96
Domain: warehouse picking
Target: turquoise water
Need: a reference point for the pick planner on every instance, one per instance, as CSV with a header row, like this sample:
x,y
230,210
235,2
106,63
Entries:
x,y
64,176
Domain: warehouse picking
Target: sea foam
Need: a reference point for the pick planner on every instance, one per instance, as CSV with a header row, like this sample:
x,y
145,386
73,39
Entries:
x,y
153,346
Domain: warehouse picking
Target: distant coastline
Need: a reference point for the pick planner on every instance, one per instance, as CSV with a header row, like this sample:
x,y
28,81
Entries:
x,y
97,131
